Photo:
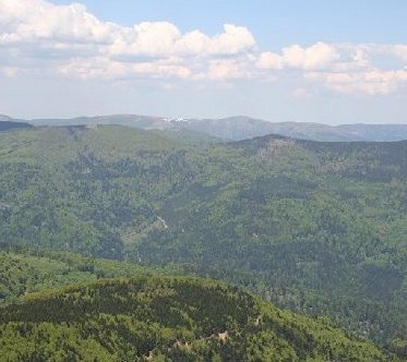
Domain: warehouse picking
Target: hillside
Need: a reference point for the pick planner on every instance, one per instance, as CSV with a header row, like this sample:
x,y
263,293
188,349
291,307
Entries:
x,y
171,319
315,227
29,271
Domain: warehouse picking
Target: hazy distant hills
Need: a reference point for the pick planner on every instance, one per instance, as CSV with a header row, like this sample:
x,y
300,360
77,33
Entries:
x,y
376,132
8,124
144,122
241,127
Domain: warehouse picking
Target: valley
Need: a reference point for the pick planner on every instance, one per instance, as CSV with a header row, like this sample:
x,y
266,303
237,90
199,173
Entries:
x,y
315,227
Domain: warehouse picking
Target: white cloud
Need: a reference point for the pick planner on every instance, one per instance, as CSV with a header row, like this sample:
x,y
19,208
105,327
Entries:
x,y
104,68
194,42
70,40
37,36
317,56
269,60
400,50
234,40
162,39
345,68
227,69
145,39
373,82
25,21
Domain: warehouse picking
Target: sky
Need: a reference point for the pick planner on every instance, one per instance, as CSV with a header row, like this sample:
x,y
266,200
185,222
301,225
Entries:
x,y
331,62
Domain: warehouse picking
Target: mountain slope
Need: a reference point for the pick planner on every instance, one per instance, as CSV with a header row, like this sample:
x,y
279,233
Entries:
x,y
28,271
315,227
167,318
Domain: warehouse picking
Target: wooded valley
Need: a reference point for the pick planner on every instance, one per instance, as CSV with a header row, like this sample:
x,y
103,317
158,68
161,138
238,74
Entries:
x,y
318,228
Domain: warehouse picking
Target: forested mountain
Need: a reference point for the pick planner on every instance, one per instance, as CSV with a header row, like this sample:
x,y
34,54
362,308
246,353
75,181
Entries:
x,y
242,127
319,228
167,319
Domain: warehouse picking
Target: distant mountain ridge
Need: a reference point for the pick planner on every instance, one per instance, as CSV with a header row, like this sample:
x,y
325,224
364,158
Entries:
x,y
242,127
8,124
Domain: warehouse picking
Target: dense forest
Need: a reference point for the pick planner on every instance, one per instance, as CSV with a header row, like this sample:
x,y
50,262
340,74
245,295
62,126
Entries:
x,y
167,319
319,228
30,271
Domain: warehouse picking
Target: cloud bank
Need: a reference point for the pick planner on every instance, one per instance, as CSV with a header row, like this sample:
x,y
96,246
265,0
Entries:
x,y
39,37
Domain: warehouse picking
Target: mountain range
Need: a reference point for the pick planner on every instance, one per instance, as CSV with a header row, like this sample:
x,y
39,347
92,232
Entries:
x,y
238,128
315,227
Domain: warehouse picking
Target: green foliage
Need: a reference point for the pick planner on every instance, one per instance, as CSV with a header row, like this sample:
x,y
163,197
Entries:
x,y
319,228
26,271
167,318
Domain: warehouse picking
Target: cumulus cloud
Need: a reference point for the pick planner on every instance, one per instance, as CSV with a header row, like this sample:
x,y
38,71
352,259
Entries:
x,y
145,39
86,47
270,60
162,39
317,56
27,21
38,36
233,40
228,69
373,82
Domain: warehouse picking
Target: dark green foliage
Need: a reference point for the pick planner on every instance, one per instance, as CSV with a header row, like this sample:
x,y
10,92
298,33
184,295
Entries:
x,y
171,319
315,227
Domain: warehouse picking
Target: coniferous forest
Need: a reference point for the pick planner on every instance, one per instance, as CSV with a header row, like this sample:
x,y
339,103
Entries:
x,y
171,319
316,228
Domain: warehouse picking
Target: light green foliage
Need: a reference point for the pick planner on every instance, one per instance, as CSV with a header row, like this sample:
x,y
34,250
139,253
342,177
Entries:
x,y
170,319
27,271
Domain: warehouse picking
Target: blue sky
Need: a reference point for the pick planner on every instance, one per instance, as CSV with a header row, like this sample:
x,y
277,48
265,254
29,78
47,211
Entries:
x,y
310,61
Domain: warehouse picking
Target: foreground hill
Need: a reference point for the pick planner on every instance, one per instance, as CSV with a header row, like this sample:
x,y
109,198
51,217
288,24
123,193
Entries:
x,y
171,319
315,227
